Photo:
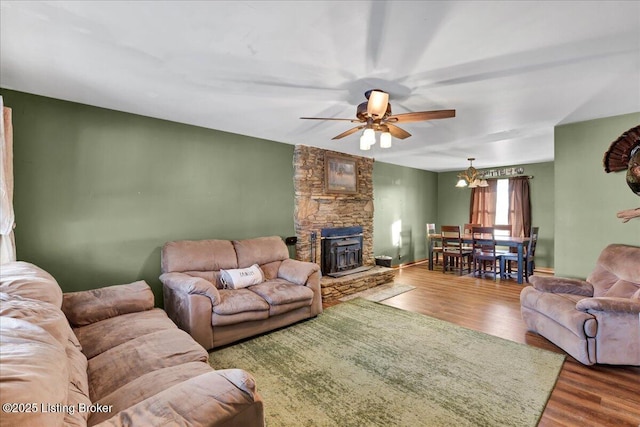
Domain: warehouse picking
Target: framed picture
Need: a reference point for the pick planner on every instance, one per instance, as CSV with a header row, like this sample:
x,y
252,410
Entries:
x,y
340,174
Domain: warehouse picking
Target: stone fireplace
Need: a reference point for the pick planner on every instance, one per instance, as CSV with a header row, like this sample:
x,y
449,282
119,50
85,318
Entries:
x,y
317,210
341,251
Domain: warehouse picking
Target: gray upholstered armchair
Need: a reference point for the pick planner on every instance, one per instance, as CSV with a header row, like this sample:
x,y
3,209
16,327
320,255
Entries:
x,y
597,320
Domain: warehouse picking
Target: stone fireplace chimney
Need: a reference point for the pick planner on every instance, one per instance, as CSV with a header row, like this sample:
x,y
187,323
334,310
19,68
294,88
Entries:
x,y
316,209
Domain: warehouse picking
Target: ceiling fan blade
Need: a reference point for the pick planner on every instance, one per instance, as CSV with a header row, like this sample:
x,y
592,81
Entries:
x,y
396,132
377,104
332,118
349,132
420,116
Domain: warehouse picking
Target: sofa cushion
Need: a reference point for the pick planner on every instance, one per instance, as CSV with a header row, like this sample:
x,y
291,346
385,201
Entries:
x,y
109,333
120,365
622,289
238,318
261,250
224,398
34,372
86,307
145,386
198,255
241,277
270,269
562,309
47,316
280,292
297,272
233,301
29,281
614,263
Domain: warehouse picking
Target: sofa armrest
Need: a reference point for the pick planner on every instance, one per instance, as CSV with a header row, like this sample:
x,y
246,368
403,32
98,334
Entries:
x,y
87,307
609,304
297,272
189,302
226,397
189,285
561,285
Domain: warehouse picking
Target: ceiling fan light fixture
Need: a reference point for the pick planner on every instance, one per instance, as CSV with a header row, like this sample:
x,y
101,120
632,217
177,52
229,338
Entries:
x,y
377,105
385,140
364,144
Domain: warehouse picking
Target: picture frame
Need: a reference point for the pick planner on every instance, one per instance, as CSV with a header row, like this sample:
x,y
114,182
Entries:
x,y
340,174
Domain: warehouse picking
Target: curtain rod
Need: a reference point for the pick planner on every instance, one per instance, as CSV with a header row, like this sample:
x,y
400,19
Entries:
x,y
509,177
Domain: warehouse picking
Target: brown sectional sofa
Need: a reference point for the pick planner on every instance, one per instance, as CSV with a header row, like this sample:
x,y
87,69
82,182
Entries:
x,y
196,299
107,357
594,320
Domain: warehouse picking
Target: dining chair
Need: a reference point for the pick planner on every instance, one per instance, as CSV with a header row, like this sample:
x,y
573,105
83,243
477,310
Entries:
x,y
503,230
484,251
435,244
466,230
468,227
452,250
528,257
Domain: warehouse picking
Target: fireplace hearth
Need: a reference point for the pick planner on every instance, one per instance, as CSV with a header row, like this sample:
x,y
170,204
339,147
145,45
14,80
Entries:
x,y
341,251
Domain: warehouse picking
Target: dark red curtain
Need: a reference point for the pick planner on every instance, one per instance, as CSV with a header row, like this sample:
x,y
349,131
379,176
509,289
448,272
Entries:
x,y
519,206
483,204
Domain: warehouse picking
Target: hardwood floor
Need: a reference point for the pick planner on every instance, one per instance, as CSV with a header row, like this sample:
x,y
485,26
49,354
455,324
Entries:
x,y
583,396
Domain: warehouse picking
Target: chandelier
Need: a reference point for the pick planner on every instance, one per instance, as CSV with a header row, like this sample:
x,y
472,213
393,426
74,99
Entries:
x,y
471,177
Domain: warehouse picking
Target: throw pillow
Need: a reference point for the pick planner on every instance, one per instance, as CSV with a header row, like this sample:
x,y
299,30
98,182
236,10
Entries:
x,y
241,277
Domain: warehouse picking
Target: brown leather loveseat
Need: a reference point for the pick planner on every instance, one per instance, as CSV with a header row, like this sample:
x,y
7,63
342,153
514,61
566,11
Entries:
x,y
213,311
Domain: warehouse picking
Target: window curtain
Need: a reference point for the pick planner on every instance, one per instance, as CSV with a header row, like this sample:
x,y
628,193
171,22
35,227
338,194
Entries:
x,y
483,204
7,219
519,206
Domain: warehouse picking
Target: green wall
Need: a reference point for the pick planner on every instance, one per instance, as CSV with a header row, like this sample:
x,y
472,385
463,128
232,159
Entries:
x,y
407,195
587,198
453,205
98,192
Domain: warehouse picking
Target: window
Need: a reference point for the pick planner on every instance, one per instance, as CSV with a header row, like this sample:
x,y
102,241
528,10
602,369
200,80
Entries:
x,y
502,204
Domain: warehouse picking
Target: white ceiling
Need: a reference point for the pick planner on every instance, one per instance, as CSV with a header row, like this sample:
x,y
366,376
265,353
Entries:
x,y
512,70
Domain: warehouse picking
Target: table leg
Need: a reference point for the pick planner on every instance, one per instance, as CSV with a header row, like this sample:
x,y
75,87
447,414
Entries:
x,y
520,263
430,252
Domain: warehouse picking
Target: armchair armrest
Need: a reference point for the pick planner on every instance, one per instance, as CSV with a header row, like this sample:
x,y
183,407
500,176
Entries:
x,y
297,272
188,285
87,307
561,285
610,304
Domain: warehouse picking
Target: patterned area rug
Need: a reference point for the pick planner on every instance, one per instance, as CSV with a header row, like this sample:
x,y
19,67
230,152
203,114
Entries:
x,y
380,292
361,363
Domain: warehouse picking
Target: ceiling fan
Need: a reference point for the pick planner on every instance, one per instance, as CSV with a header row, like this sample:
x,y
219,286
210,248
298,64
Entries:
x,y
375,116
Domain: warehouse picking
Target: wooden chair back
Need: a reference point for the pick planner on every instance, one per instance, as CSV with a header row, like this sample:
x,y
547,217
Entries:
x,y
484,240
468,227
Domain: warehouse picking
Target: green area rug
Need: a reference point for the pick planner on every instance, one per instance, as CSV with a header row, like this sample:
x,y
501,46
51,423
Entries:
x,y
361,363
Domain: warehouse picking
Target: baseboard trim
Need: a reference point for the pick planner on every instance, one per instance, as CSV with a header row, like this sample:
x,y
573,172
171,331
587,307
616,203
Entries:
x,y
410,263
544,270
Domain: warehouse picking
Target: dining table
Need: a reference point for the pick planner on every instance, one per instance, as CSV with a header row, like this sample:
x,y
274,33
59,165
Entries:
x,y
513,242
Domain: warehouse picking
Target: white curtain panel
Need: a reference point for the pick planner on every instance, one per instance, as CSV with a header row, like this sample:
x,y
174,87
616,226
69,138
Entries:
x,y
7,218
